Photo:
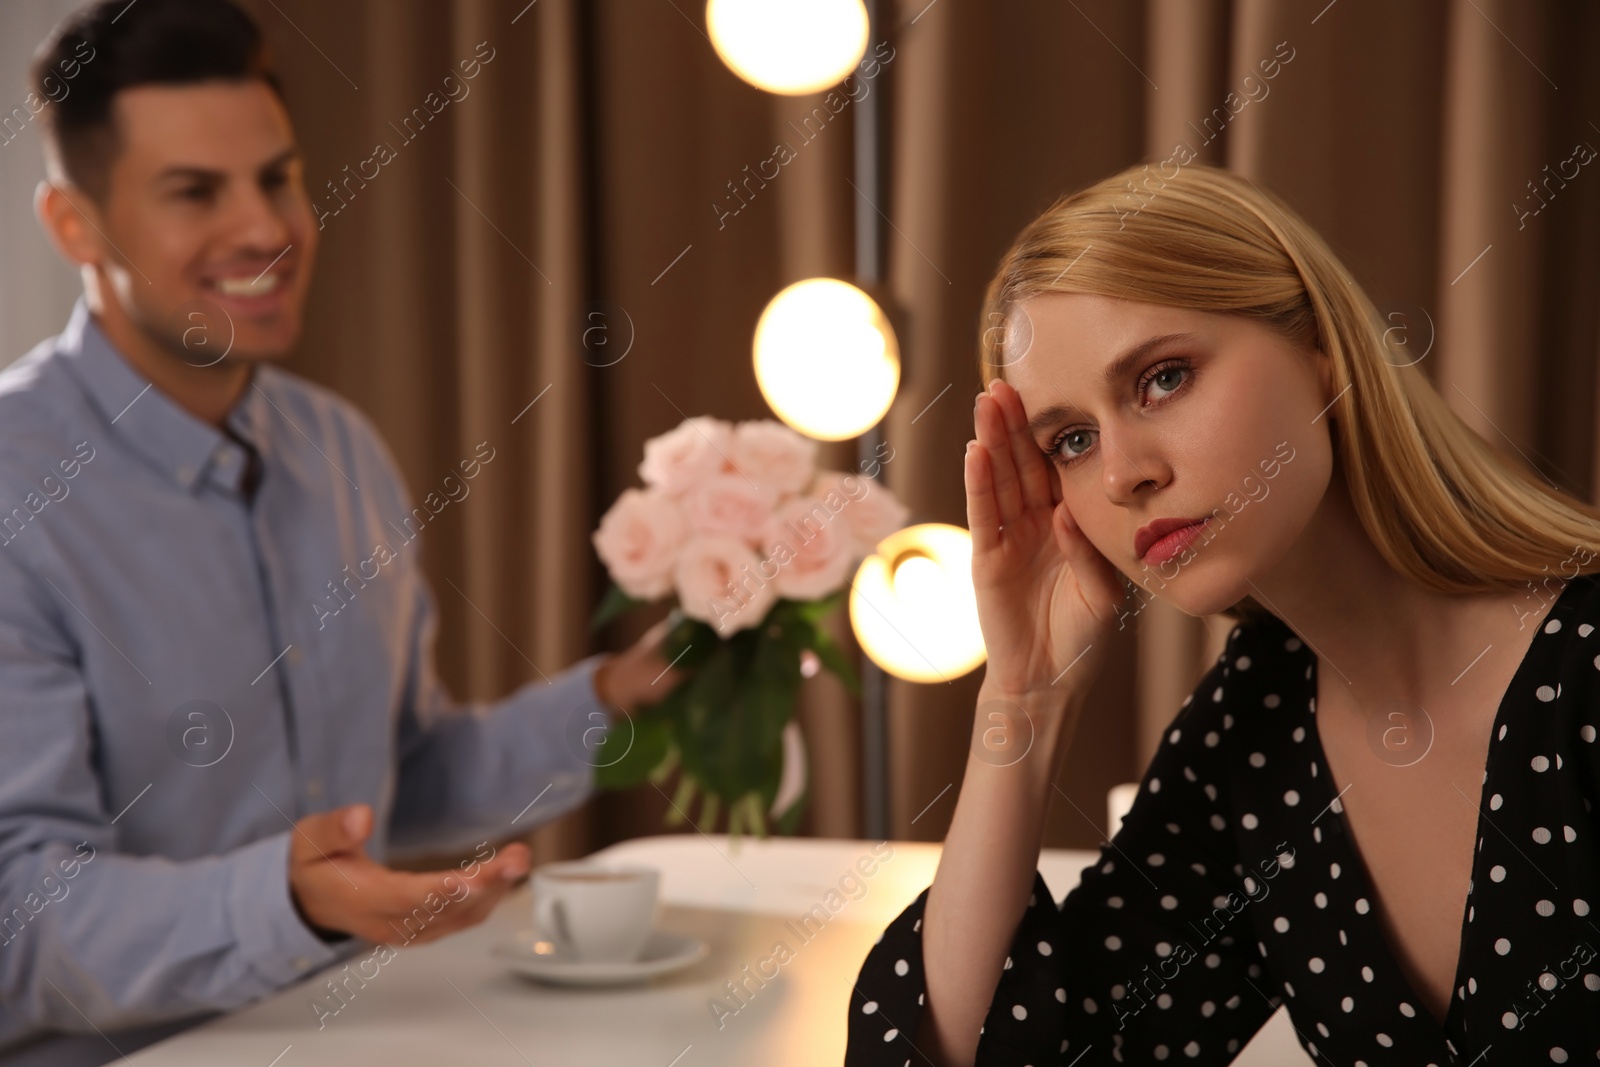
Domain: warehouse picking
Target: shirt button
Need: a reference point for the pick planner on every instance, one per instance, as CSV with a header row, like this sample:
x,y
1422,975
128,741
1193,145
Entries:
x,y
314,787
224,458
294,655
301,963
185,473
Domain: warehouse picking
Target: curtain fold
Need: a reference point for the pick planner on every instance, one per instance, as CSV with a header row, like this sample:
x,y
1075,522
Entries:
x,y
604,161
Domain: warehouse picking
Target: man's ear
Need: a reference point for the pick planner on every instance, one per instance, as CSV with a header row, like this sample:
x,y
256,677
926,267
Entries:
x,y
72,221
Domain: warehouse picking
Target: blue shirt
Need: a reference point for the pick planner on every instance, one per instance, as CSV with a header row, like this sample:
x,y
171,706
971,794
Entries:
x,y
184,671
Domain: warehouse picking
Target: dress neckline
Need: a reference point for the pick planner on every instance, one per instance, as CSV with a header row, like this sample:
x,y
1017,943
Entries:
x,y
1357,864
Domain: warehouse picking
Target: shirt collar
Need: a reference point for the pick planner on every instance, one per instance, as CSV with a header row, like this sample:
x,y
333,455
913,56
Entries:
x,y
175,442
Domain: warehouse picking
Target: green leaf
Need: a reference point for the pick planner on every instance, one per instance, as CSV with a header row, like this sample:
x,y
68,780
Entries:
x,y
817,610
788,822
647,749
752,751
727,720
615,603
698,720
833,658
693,639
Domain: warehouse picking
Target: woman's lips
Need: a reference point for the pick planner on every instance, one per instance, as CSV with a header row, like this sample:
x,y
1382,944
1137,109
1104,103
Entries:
x,y
1173,543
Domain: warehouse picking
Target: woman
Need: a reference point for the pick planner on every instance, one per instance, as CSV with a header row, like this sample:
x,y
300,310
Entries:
x,y
1376,806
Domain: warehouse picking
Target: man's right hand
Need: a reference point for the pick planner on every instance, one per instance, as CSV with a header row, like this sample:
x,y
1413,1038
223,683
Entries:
x,y
337,887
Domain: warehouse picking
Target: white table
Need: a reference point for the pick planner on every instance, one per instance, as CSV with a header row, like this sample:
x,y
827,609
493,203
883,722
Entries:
x,y
449,1001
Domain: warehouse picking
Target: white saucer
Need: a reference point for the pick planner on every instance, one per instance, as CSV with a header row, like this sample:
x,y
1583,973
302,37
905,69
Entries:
x,y
662,954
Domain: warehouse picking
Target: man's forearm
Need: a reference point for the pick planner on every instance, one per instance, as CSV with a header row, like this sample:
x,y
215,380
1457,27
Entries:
x,y
135,940
469,773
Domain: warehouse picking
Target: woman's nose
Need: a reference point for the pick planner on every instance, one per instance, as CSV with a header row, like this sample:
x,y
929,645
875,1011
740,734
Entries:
x,y
1126,464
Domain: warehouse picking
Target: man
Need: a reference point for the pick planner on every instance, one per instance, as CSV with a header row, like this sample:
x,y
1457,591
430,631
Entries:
x,y
218,705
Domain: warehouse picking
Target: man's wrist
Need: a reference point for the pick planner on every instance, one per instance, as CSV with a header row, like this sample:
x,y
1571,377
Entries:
x,y
604,683
331,937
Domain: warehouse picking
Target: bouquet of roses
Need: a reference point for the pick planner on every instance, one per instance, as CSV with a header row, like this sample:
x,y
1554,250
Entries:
x,y
755,547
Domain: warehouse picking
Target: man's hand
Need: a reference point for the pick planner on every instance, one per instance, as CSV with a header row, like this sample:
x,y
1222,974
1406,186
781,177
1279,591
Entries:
x,y
638,676
337,887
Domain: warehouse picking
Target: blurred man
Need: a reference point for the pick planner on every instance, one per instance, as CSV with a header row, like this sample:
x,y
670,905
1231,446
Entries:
x,y
218,705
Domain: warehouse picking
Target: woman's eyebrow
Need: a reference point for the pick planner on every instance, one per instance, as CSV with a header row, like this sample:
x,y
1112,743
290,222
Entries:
x,y
1115,371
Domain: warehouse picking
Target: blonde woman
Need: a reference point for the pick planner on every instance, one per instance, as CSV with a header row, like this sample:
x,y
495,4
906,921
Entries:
x,y
1376,806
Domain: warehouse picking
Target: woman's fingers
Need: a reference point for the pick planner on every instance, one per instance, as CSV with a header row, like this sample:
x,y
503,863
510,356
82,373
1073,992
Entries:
x,y
1033,470
983,521
1096,575
991,427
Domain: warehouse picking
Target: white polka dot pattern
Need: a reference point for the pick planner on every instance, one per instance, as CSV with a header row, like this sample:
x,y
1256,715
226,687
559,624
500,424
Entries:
x,y
1233,887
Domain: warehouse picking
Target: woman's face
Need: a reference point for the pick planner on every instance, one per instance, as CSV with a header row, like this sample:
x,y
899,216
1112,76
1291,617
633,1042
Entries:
x,y
1226,419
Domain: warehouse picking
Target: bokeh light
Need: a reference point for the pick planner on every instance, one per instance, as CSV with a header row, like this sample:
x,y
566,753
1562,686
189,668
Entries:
x,y
913,608
789,46
826,359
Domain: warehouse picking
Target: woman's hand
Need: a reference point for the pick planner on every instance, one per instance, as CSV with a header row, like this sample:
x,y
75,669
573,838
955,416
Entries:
x,y
1046,596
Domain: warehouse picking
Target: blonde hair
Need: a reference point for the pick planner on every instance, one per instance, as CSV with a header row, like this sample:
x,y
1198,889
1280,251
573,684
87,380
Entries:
x,y
1443,508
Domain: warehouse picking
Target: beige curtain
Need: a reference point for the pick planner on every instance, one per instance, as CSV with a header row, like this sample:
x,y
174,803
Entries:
x,y
581,175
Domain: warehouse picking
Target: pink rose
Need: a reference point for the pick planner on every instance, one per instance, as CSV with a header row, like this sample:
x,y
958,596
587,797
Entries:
x,y
639,539
774,456
729,503
719,582
809,547
870,512
687,454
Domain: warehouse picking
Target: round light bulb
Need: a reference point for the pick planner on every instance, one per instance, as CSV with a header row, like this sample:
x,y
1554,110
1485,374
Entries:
x,y
919,581
791,47
912,606
826,359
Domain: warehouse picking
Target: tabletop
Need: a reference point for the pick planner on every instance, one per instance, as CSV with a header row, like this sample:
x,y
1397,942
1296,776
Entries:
x,y
450,1001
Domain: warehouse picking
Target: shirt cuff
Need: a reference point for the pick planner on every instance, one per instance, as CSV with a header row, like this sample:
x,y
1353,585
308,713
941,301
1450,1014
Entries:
x,y
575,688
583,674
271,936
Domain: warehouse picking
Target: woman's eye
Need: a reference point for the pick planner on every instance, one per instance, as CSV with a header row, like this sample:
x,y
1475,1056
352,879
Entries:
x,y
1072,444
1157,385
1172,375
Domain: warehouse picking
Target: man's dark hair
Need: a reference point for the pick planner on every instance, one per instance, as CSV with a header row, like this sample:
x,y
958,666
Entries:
x,y
114,45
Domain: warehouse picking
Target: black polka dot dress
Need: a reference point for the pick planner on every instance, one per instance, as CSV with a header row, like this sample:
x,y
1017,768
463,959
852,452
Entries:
x,y
1233,886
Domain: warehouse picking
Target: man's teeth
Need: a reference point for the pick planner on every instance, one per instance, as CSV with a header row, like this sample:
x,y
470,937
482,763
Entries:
x,y
247,287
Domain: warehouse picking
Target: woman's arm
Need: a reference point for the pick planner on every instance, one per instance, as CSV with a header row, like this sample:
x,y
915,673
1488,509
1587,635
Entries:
x,y
986,870
1045,599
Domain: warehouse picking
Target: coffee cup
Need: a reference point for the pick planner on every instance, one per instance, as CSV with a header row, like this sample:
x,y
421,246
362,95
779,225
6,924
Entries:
x,y
594,913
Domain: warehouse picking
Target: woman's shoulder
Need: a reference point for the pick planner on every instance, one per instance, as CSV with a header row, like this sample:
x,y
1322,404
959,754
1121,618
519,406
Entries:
x,y
1258,645
1577,601
1262,675
1567,641
1263,667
